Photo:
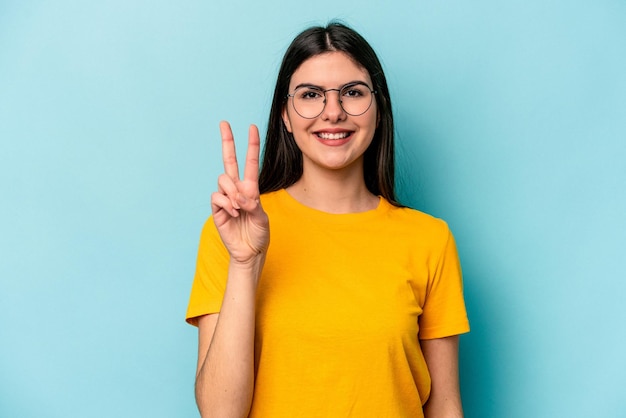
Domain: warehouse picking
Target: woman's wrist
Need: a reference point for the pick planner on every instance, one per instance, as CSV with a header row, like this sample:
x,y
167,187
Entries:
x,y
253,265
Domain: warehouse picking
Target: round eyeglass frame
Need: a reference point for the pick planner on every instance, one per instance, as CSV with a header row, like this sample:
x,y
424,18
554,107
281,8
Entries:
x,y
339,90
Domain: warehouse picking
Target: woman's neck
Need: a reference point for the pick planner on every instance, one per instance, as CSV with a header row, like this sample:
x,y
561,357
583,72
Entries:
x,y
333,193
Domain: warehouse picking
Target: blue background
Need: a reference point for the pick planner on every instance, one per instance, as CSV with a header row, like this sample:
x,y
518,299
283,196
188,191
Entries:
x,y
511,122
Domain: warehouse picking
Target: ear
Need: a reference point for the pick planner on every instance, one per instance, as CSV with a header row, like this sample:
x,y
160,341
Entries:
x,y
286,120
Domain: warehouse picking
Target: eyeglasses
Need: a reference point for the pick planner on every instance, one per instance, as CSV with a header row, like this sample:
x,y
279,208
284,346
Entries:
x,y
354,98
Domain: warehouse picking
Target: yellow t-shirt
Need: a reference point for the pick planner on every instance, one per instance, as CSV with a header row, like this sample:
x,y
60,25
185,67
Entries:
x,y
341,305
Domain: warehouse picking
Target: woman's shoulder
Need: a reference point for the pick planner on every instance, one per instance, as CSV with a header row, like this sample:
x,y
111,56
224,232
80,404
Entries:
x,y
270,200
271,196
417,220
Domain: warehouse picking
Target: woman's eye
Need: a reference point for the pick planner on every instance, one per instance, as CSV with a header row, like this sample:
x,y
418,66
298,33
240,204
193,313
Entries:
x,y
310,95
353,92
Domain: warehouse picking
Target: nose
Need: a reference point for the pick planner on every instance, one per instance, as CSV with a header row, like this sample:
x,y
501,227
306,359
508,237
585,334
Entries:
x,y
333,111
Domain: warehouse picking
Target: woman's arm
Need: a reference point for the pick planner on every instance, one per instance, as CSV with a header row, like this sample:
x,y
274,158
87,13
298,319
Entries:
x,y
225,373
442,358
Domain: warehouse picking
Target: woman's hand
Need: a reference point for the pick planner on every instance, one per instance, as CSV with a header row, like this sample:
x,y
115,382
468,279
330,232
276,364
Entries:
x,y
241,222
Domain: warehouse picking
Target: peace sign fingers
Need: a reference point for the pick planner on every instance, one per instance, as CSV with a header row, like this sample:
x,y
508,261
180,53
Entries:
x,y
240,193
241,222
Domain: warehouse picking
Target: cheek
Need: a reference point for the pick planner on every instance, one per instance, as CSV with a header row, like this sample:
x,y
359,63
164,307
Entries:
x,y
372,119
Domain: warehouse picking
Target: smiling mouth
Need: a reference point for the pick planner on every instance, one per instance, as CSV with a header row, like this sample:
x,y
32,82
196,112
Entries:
x,y
340,135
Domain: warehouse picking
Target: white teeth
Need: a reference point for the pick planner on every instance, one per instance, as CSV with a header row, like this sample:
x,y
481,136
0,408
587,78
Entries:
x,y
341,135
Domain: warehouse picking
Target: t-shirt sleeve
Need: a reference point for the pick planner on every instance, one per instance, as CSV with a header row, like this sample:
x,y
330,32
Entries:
x,y
444,312
209,283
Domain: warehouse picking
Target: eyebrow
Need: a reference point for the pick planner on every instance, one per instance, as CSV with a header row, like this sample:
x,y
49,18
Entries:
x,y
339,88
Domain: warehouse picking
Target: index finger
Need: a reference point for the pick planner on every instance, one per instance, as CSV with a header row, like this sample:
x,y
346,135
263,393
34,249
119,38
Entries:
x,y
251,169
229,156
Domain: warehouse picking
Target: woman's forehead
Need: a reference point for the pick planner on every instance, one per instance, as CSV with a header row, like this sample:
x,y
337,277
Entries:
x,y
329,70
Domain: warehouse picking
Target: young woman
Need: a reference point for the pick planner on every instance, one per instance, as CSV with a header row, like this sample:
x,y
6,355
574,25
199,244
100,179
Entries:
x,y
353,307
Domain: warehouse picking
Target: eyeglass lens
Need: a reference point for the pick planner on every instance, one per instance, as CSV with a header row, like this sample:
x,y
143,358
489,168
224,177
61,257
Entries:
x,y
309,101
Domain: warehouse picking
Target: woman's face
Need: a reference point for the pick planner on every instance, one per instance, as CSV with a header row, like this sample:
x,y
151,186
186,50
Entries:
x,y
334,140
